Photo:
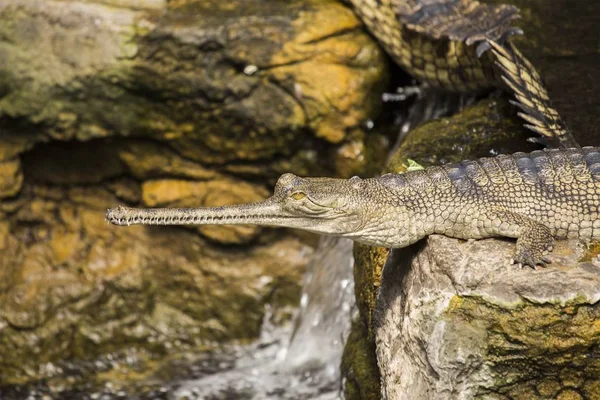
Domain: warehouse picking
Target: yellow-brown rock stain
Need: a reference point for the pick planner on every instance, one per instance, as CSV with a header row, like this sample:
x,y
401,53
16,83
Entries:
x,y
538,350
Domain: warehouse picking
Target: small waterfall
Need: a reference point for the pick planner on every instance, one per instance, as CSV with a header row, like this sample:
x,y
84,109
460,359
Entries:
x,y
326,307
300,361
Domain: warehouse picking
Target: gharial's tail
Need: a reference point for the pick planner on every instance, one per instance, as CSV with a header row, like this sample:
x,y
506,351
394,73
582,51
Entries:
x,y
531,95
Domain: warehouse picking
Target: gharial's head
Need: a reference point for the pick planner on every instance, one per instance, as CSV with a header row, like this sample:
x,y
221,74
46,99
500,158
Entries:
x,y
361,209
323,205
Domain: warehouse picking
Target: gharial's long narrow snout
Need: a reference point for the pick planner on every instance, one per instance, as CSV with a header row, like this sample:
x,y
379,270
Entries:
x,y
321,205
268,212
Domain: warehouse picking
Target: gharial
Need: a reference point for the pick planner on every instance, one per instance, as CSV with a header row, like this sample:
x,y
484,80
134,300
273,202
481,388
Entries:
x,y
444,43
535,197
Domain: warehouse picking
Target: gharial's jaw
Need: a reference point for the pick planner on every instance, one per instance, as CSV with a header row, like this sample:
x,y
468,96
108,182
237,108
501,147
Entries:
x,y
266,213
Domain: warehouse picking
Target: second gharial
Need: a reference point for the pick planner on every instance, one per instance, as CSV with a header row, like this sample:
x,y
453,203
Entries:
x,y
536,197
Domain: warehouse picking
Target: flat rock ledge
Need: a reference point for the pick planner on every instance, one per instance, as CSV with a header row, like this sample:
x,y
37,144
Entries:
x,y
455,320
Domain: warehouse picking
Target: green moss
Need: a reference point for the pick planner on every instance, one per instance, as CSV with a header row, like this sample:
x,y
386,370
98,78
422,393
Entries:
x,y
359,366
368,266
488,127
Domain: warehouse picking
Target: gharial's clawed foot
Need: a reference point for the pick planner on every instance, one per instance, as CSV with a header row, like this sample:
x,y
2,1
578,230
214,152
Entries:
x,y
531,258
534,241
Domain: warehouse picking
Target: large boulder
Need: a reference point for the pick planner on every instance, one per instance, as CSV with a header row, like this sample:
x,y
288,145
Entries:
x,y
156,103
455,320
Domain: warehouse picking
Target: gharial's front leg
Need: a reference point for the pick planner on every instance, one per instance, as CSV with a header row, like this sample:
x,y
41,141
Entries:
x,y
534,240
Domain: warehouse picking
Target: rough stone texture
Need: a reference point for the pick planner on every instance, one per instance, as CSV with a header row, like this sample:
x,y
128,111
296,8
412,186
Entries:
x,y
359,365
457,321
11,177
152,103
74,290
247,81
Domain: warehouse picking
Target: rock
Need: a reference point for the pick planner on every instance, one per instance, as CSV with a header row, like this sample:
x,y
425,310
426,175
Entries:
x,y
11,178
486,128
483,327
155,103
362,378
145,160
73,289
195,75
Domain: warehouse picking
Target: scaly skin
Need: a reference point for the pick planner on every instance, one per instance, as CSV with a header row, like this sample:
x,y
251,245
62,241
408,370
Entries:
x,y
444,43
436,42
536,198
531,94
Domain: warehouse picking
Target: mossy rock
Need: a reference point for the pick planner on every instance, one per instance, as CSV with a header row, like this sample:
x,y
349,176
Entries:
x,y
485,328
249,83
359,366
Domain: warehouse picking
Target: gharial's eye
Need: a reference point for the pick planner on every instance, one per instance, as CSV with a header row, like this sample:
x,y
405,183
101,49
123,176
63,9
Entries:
x,y
298,195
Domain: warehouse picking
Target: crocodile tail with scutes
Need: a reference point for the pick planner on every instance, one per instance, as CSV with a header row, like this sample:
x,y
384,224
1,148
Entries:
x,y
531,95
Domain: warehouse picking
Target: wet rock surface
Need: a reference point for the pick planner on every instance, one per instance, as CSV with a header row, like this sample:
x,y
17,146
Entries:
x,y
155,103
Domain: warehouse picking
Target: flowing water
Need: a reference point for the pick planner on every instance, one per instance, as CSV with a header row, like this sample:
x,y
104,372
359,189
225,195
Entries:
x,y
300,361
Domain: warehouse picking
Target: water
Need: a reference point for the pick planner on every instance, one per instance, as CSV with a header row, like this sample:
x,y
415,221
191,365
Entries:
x,y
294,362
301,361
